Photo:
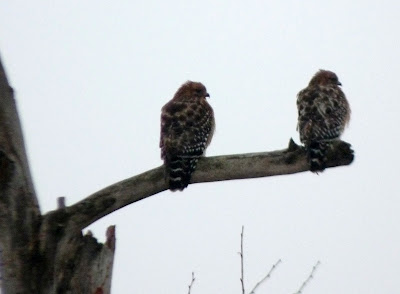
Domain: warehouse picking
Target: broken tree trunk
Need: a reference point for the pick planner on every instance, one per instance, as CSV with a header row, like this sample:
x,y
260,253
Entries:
x,y
41,254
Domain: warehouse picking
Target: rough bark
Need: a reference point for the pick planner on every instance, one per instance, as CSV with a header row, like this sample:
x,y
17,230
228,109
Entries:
x,y
48,254
19,210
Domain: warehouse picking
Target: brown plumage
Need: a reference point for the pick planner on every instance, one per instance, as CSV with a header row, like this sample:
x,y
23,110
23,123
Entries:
x,y
323,114
187,127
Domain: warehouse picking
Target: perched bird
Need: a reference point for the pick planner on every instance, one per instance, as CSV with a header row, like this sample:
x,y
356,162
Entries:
x,y
187,127
323,114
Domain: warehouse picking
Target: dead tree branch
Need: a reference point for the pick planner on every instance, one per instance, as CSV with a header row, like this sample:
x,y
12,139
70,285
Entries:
x,y
210,169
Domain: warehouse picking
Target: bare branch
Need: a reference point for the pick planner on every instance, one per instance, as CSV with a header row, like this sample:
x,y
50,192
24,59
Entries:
x,y
241,262
309,278
191,283
266,277
210,169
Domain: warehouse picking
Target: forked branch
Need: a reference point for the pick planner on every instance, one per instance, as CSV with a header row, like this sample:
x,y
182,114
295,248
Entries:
x,y
191,283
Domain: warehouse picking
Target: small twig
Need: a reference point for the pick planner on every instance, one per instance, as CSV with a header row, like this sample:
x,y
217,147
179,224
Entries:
x,y
309,278
61,202
266,277
241,261
191,283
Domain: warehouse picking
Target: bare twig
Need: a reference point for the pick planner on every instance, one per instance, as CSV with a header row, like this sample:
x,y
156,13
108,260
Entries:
x,y
241,261
309,278
266,277
191,283
61,202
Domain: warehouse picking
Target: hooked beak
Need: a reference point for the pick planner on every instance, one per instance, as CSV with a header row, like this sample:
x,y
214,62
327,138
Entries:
x,y
339,83
207,95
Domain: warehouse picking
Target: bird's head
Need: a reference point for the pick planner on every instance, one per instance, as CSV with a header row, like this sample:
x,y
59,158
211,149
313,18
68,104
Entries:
x,y
192,90
325,78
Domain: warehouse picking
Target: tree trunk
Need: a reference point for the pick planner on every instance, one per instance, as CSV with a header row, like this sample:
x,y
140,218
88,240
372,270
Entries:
x,y
41,254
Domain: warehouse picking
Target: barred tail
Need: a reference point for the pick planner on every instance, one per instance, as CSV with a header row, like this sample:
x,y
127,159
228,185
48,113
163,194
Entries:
x,y
316,154
179,172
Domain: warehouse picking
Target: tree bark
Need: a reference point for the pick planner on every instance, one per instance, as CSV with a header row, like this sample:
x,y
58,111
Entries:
x,y
48,254
19,209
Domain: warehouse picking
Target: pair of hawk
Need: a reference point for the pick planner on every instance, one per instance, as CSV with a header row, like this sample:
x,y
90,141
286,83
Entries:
x,y
187,125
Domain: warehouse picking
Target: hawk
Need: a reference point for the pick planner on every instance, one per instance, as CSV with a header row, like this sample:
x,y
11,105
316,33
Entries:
x,y
323,114
187,127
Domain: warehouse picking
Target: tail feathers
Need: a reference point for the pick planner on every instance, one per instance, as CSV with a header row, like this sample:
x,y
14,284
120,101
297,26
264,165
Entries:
x,y
316,154
179,172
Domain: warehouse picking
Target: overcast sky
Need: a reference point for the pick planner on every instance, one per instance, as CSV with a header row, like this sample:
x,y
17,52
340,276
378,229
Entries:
x,y
91,77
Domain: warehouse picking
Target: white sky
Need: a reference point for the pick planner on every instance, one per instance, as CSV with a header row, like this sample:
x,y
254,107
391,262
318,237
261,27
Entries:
x,y
92,76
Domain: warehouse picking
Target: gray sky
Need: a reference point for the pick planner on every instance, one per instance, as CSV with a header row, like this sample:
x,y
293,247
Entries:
x,y
92,76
